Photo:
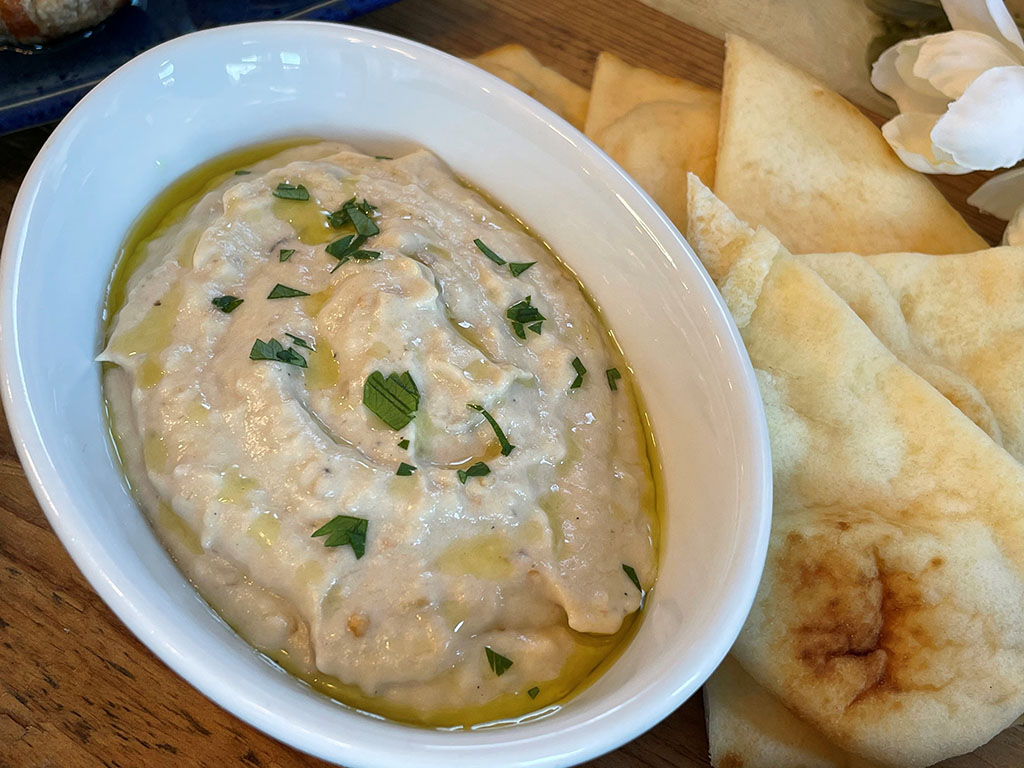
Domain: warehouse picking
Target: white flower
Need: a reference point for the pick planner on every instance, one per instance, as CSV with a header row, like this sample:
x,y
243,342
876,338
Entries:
x,y
1003,196
960,93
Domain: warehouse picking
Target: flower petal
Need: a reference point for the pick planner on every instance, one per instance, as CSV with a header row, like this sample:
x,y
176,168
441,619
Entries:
x,y
893,74
909,134
983,128
989,17
951,61
1001,195
1014,232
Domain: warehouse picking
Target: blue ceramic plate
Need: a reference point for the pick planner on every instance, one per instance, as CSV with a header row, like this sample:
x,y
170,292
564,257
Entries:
x,y
40,83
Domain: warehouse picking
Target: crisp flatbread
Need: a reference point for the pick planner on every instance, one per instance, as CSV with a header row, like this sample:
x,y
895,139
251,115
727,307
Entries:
x,y
888,618
802,161
658,128
621,88
518,66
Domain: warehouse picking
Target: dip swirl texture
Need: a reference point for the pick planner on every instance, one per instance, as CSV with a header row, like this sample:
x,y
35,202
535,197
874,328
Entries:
x,y
239,461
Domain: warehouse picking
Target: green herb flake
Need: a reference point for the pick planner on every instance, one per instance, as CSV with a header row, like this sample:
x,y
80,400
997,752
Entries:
x,y
227,304
404,470
338,218
242,172
284,292
518,267
403,444
285,253
523,313
383,157
359,215
361,220
533,692
291,192
343,530
581,371
273,350
298,341
489,253
350,247
393,399
341,247
613,376
477,470
499,664
506,446
632,576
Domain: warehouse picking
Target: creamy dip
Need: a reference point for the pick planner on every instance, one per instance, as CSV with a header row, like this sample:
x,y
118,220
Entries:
x,y
467,581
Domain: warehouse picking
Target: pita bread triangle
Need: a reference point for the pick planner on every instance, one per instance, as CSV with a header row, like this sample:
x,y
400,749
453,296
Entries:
x,y
802,161
888,619
658,128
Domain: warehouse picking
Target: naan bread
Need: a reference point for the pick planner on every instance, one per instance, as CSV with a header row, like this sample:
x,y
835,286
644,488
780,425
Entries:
x,y
517,66
805,163
889,617
658,128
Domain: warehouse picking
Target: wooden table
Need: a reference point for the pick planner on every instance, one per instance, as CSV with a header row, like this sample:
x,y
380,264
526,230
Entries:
x,y
78,689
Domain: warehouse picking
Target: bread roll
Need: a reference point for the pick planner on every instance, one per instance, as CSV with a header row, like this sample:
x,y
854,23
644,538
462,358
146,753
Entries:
x,y
37,21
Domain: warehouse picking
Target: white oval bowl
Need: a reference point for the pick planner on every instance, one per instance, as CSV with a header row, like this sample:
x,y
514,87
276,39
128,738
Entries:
x,y
204,94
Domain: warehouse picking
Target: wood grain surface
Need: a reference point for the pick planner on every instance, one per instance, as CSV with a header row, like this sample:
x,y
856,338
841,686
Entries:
x,y
78,689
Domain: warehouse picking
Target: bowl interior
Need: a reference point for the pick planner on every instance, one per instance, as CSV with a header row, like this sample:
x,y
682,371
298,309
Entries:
x,y
208,93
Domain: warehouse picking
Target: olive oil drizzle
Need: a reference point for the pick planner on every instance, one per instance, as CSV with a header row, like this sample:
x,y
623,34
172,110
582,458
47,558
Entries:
x,y
171,205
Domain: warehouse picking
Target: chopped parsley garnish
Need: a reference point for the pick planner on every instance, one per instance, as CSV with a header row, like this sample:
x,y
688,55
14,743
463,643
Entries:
x,y
227,304
489,253
299,341
383,157
632,576
581,371
477,470
516,267
403,444
343,246
499,664
506,446
393,400
533,692
523,313
613,375
343,530
361,220
404,470
291,192
359,215
286,253
350,247
242,172
284,292
272,350
338,219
